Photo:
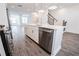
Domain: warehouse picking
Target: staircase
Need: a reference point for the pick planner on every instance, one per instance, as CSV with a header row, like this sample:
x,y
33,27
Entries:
x,y
51,19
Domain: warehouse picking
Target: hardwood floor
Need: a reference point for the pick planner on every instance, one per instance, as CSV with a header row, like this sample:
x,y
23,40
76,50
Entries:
x,y
23,46
70,45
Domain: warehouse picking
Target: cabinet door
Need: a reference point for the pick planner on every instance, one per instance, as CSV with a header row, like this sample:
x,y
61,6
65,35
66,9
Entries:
x,y
36,34
28,31
32,32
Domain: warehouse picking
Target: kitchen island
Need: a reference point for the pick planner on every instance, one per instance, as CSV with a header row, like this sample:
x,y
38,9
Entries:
x,y
50,38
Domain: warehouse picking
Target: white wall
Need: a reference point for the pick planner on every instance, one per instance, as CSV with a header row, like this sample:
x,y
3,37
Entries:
x,y
40,18
3,16
71,15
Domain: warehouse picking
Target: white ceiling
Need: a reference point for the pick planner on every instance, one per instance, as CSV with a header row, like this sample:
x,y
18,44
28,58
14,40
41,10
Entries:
x,y
32,7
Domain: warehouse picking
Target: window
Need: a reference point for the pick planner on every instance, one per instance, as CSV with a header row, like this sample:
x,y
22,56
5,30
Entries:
x,y
15,19
18,19
24,19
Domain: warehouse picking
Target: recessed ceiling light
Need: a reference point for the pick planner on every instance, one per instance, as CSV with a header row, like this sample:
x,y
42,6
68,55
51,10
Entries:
x,y
52,7
34,13
41,11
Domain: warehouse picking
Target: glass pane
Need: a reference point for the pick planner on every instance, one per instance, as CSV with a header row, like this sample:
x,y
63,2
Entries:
x,y
24,19
15,19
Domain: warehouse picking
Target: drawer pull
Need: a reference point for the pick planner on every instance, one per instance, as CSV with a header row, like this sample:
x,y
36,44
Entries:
x,y
32,31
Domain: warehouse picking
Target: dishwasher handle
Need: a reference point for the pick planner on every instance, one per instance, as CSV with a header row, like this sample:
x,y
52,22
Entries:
x,y
46,30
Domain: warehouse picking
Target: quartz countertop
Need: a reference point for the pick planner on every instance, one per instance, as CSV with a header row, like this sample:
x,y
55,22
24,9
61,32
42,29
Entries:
x,y
51,26
48,26
32,24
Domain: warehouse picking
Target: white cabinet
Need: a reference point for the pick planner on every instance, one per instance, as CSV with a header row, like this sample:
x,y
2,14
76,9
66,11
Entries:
x,y
32,32
57,40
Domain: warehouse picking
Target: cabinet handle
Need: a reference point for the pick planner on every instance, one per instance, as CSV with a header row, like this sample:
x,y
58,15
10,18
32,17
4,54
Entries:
x,y
32,31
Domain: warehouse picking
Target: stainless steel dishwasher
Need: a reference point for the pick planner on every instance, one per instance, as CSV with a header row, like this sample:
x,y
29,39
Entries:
x,y
46,38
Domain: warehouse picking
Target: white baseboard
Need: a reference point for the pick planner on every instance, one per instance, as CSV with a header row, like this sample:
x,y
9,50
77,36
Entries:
x,y
72,32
